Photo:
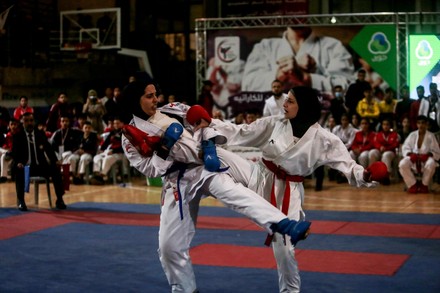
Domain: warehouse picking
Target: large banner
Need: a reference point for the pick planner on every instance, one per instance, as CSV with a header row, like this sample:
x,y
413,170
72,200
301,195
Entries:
x,y
424,62
242,63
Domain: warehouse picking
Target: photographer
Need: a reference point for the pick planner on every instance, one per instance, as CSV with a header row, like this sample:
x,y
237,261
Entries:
x,y
94,110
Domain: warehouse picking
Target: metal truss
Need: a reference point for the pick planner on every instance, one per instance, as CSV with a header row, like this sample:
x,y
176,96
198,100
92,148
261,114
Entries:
x,y
405,23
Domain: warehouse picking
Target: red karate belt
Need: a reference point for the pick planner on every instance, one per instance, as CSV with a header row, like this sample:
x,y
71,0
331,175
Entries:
x,y
282,175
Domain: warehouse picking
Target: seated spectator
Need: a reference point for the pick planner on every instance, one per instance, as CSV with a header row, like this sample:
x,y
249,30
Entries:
x,y
42,126
362,144
251,115
368,107
356,121
23,108
31,147
108,154
80,121
420,152
65,142
386,144
5,150
404,130
346,132
87,150
4,121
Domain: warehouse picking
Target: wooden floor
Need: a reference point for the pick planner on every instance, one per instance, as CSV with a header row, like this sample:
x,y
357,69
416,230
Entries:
x,y
334,197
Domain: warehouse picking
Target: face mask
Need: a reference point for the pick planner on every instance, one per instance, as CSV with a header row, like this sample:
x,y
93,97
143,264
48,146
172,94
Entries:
x,y
338,95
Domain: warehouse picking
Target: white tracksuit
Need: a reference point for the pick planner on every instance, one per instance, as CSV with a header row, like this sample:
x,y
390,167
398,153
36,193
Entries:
x,y
274,136
175,234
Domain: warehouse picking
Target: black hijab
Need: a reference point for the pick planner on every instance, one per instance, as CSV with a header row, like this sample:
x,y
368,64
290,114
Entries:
x,y
131,95
309,109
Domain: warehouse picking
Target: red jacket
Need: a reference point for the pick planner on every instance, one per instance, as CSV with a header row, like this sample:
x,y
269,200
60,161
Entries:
x,y
363,143
388,140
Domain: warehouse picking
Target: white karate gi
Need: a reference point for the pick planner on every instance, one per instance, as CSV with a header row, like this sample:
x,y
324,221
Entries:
x,y
175,234
274,136
345,134
408,168
274,106
334,63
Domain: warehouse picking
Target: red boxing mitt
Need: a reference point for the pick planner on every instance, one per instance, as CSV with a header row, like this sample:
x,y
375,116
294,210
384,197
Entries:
x,y
143,143
197,113
424,157
378,171
413,157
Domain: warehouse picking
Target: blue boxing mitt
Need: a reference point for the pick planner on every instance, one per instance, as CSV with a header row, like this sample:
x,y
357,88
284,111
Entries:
x,y
210,158
171,135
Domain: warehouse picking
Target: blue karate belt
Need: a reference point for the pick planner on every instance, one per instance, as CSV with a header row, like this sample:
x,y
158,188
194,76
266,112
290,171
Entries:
x,y
181,167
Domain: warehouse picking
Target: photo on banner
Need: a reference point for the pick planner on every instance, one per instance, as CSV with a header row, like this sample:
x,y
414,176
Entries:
x,y
242,63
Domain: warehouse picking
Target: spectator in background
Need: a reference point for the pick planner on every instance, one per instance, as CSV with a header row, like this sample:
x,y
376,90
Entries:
x,y
31,147
4,120
415,107
363,143
217,114
430,108
113,106
65,142
42,126
95,111
404,130
356,121
337,104
60,109
420,152
108,154
108,95
298,58
5,150
205,99
346,132
251,115
387,106
87,150
368,108
386,143
23,108
355,91
403,106
171,99
274,104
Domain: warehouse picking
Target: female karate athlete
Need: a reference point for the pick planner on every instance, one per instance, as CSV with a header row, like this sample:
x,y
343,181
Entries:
x,y
186,180
293,146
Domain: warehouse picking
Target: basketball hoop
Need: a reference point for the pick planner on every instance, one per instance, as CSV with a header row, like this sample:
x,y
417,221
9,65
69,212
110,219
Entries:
x,y
82,50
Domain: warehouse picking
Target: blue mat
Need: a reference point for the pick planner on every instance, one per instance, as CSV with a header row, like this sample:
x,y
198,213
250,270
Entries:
x,y
86,257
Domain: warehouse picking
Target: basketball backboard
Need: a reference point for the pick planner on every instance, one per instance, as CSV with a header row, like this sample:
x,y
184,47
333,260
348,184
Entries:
x,y
98,28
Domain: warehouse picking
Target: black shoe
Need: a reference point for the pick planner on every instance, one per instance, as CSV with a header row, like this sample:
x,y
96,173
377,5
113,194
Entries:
x,y
3,179
22,207
60,204
97,181
78,181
